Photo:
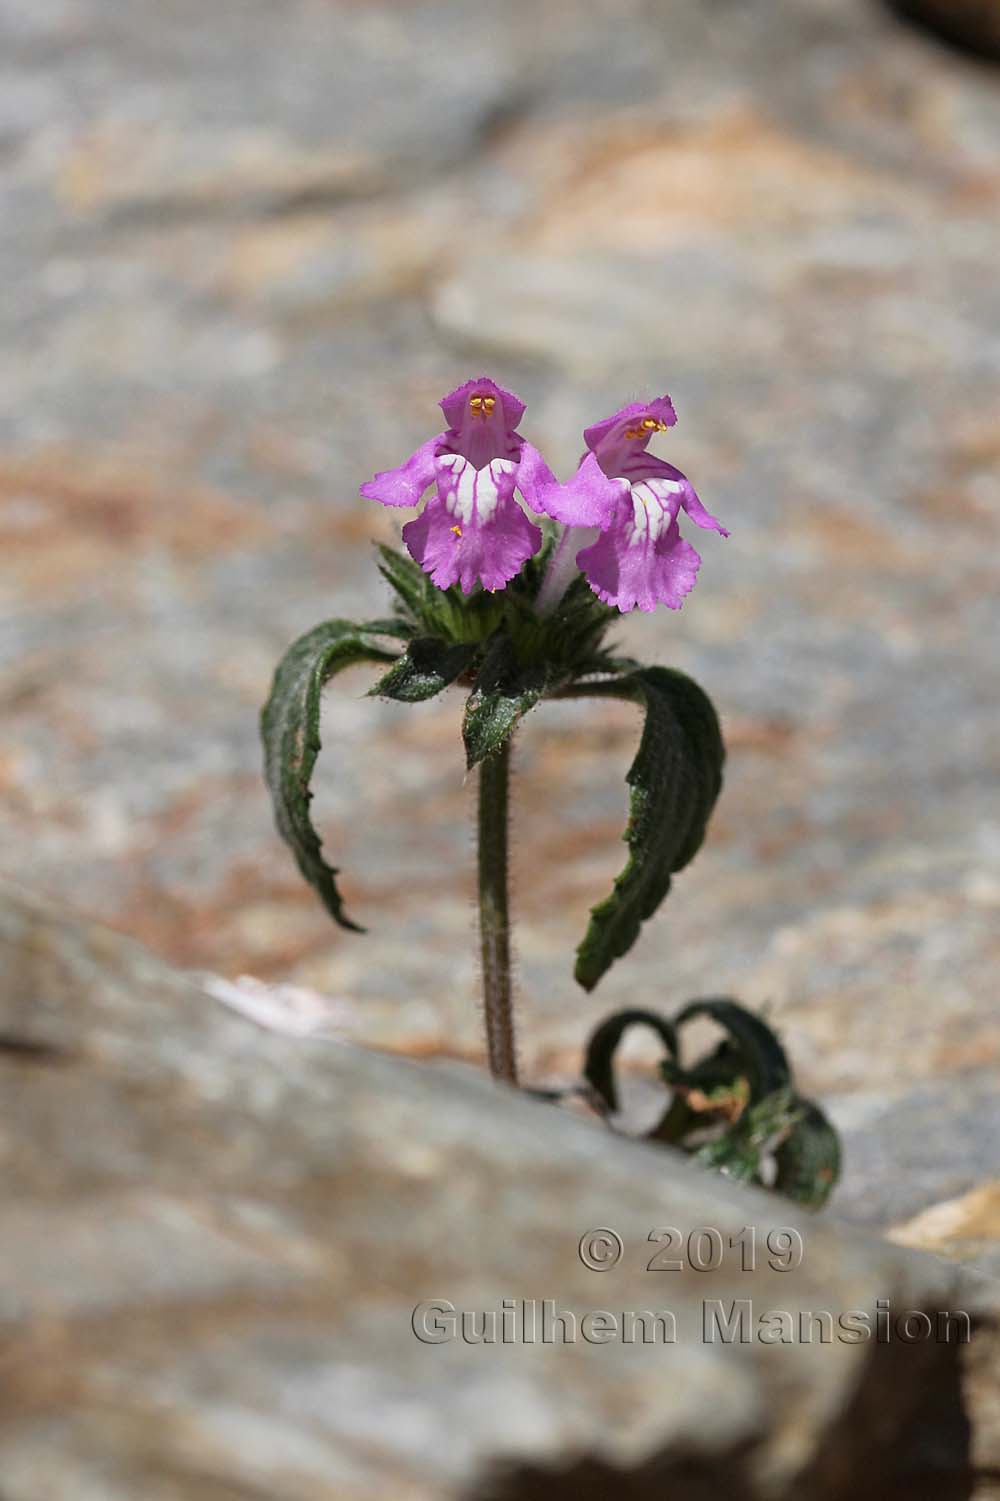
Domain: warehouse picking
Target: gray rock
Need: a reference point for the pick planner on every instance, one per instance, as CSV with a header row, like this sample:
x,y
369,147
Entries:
x,y
215,1240
927,1144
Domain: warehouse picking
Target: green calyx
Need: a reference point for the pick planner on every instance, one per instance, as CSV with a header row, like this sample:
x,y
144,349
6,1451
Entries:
x,y
568,638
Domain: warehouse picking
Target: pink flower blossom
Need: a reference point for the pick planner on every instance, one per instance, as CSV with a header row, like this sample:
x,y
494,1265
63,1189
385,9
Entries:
x,y
471,530
639,560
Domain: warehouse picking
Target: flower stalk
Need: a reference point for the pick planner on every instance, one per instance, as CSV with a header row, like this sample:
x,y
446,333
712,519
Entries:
x,y
563,568
494,914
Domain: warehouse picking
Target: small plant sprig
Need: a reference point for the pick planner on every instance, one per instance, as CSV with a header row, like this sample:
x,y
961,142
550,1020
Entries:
x,y
736,1109
517,613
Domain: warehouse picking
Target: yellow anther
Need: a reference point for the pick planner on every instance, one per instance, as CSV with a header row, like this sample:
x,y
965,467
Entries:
x,y
481,405
647,425
457,530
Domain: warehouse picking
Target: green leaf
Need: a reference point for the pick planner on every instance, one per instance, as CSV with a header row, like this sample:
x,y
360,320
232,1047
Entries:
x,y
808,1160
391,625
675,780
290,733
603,1044
440,612
503,694
427,667
752,1049
464,617
740,1151
407,579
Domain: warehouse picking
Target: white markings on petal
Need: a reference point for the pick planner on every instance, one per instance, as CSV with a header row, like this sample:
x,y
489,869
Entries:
x,y
471,494
655,503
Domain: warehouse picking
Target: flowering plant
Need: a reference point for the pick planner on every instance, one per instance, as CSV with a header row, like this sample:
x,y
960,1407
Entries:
x,y
517,609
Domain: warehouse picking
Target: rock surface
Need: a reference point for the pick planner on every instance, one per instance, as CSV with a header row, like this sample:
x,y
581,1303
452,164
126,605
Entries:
x,y
964,1229
214,1241
244,251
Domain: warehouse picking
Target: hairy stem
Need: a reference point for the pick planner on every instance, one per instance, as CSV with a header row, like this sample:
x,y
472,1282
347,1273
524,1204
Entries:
x,y
494,914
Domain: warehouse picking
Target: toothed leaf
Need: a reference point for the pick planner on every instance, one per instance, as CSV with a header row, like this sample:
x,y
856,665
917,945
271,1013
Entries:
x,y
407,579
290,734
426,669
759,1056
390,625
503,694
603,1045
808,1160
674,780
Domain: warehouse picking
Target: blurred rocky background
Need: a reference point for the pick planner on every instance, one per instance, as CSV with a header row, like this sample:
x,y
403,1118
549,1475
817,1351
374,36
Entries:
x,y
245,247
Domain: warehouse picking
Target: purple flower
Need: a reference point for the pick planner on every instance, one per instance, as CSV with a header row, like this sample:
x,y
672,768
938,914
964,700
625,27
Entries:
x,y
639,559
472,529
